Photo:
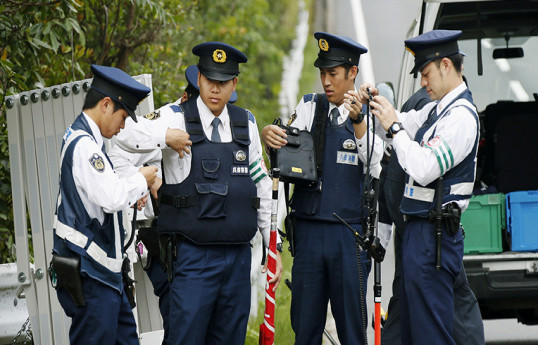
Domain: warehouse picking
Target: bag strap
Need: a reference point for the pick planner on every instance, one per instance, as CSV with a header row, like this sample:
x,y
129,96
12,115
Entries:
x,y
287,197
320,122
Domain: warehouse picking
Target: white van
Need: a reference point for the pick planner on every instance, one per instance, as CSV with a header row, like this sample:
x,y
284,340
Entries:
x,y
500,39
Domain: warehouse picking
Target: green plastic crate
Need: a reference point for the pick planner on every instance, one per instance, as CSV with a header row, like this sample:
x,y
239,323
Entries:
x,y
484,221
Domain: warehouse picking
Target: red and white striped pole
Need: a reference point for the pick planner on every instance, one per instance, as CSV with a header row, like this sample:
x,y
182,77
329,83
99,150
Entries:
x,y
267,328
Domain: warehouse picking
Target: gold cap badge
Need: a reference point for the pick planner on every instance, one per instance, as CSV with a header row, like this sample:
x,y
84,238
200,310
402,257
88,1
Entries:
x,y
323,44
219,56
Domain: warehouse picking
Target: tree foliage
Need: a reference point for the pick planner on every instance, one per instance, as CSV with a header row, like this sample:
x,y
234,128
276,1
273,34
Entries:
x,y
36,46
49,42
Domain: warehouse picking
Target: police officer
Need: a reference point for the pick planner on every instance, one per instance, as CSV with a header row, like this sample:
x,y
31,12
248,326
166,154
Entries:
x,y
439,140
88,228
193,90
325,263
468,325
127,163
211,202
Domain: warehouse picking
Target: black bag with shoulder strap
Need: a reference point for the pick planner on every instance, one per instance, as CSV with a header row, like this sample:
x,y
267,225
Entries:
x,y
299,160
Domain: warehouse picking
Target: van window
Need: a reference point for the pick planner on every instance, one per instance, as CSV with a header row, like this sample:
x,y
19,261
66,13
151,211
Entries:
x,y
503,79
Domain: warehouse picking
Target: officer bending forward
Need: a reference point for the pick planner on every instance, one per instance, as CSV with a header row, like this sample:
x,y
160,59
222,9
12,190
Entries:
x,y
88,232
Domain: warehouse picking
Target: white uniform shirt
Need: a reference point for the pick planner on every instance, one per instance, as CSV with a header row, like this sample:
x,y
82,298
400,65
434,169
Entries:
x,y
457,133
104,191
148,135
305,118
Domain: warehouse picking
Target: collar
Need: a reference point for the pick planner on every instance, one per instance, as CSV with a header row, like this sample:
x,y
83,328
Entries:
x,y
96,132
449,97
206,116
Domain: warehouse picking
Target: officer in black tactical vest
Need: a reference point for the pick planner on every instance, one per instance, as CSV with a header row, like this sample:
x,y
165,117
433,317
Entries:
x,y
325,265
211,202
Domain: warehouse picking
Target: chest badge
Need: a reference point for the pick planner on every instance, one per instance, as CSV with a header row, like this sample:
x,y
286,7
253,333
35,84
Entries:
x,y
97,162
153,115
349,144
240,156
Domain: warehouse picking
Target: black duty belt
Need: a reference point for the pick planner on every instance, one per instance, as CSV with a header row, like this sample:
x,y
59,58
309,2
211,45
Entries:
x,y
178,201
181,201
411,218
450,210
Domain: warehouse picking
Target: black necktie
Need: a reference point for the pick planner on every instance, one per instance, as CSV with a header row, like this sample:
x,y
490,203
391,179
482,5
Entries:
x,y
335,113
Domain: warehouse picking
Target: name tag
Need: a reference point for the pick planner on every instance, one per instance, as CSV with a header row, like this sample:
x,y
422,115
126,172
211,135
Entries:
x,y
239,170
347,158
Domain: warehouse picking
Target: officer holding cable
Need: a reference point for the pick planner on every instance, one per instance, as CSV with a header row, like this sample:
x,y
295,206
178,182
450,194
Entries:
x,y
437,148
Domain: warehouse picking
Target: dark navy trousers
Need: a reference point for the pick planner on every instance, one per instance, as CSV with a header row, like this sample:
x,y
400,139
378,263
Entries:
x,y
106,319
210,294
161,288
426,295
325,267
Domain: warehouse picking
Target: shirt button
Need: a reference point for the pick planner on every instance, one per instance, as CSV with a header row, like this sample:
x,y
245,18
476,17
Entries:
x,y
130,203
158,145
137,146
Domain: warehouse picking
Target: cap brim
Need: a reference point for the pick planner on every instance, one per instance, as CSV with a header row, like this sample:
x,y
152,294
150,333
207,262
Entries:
x,y
131,114
323,63
217,75
420,66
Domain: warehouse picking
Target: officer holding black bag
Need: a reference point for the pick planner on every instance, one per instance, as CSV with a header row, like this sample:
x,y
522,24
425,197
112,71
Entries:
x,y
325,262
88,253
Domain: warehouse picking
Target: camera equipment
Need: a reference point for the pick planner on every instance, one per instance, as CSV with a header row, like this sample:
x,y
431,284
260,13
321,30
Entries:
x,y
367,242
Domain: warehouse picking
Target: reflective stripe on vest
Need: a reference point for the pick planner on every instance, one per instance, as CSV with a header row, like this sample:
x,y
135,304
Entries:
x,y
427,194
94,251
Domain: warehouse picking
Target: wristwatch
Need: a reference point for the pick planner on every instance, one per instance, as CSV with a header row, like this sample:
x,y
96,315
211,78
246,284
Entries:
x,y
393,129
359,118
279,247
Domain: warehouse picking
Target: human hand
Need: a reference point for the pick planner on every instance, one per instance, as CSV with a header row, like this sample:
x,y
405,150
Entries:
x,y
150,174
178,140
363,92
352,104
278,271
154,188
141,203
274,136
384,111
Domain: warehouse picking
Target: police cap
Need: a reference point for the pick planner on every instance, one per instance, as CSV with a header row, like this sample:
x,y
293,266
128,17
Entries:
x,y
337,50
431,46
119,86
191,73
218,61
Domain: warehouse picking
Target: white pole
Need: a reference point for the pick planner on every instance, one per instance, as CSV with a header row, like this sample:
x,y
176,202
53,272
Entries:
x,y
367,70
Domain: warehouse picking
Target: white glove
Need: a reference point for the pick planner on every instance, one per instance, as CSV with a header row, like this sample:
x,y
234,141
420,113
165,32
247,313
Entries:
x,y
384,233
